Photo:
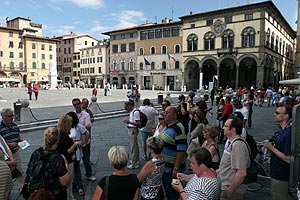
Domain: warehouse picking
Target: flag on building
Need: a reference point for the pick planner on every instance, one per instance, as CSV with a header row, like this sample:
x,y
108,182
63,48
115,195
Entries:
x,y
146,62
171,57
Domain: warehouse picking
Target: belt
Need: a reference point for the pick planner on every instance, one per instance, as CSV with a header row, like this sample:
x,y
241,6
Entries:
x,y
131,127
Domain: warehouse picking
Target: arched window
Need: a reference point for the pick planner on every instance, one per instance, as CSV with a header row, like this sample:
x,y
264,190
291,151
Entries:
x,y
152,50
141,66
276,43
43,66
152,65
177,48
209,41
228,39
34,65
164,49
163,65
268,37
123,65
141,51
21,66
280,45
272,40
11,65
192,42
248,37
115,66
177,65
131,65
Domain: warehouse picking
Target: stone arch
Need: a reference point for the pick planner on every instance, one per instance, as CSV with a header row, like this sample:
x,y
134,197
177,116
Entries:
x,y
227,72
209,70
247,71
191,74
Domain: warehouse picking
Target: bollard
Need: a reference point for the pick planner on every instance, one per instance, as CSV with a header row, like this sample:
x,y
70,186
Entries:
x,y
160,98
17,110
25,112
93,105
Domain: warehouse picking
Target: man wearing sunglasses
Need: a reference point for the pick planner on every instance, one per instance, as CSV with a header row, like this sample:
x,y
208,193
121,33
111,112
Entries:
x,y
281,153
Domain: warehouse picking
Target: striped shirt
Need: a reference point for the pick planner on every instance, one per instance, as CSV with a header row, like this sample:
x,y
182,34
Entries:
x,y
5,180
175,141
10,134
202,188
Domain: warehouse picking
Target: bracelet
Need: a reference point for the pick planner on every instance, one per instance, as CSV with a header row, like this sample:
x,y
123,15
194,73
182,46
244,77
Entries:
x,y
182,192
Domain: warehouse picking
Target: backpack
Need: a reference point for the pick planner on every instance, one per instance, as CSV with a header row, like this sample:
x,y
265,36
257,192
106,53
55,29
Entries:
x,y
252,145
35,173
143,119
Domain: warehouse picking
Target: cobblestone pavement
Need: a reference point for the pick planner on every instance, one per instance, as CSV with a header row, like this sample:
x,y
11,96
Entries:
x,y
106,133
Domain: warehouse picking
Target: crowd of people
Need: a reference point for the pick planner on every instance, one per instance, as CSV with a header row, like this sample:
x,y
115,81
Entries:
x,y
177,140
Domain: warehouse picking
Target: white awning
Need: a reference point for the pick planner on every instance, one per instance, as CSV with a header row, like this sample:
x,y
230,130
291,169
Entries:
x,y
295,81
9,80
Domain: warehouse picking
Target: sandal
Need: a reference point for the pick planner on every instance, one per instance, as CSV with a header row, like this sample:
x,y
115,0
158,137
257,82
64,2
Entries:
x,y
81,192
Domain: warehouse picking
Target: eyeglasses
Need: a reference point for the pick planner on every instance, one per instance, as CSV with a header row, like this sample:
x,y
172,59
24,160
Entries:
x,y
161,118
278,113
163,104
76,104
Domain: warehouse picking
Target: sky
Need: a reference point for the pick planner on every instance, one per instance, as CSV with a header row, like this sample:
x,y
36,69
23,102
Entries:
x,y
93,17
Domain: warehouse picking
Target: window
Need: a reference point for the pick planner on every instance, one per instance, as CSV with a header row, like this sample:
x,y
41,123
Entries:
x,y
50,47
164,50
193,25
20,35
209,41
50,56
92,70
151,34
21,65
175,31
1,53
11,44
11,54
280,45
177,65
20,54
209,22
268,37
33,55
122,36
42,47
99,51
65,50
99,70
11,65
152,65
34,65
131,35
228,19
69,49
192,42
228,39
141,66
276,43
85,42
11,34
177,48
143,35
123,65
248,16
163,65
158,33
166,32
123,47
131,46
33,45
152,50
20,45
248,37
115,48
131,65
43,56
272,40
31,73
92,54
43,66
141,51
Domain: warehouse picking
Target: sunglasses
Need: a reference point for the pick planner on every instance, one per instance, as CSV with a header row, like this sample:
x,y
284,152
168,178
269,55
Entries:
x,y
76,104
161,118
278,113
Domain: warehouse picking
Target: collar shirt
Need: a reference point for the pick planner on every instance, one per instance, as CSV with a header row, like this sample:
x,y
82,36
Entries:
x,y
134,116
84,118
150,112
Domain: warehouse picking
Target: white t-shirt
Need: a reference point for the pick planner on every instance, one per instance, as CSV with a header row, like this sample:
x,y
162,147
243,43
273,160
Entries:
x,y
244,111
150,112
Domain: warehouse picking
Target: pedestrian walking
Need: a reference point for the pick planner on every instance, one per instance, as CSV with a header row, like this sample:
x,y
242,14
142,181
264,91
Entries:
x,y
36,89
29,91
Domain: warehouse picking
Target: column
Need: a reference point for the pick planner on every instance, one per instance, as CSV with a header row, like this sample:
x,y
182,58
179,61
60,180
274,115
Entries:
x,y
237,77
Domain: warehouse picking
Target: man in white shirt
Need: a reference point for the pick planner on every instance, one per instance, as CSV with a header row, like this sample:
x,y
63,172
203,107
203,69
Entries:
x,y
243,109
146,131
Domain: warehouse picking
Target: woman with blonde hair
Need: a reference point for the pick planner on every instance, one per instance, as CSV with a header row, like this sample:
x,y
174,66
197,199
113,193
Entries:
x,y
210,132
120,185
67,147
56,173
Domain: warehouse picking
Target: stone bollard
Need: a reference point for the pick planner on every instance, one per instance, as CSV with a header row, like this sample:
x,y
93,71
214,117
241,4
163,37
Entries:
x,y
93,106
25,112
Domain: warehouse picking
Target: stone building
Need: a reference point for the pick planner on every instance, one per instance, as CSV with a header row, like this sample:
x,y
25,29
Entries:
x,y
24,54
240,46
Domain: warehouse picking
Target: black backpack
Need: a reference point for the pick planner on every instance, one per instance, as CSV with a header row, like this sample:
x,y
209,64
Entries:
x,y
35,173
252,145
143,119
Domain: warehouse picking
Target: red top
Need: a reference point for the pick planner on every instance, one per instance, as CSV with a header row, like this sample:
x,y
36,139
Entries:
x,y
228,109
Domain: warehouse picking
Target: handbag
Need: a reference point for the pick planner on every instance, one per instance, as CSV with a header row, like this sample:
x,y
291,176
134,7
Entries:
x,y
104,195
15,173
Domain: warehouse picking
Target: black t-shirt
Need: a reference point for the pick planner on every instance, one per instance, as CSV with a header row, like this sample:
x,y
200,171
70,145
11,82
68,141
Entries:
x,y
65,142
120,187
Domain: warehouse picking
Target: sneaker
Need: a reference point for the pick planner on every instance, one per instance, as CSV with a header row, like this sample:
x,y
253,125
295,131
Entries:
x,y
145,157
131,166
91,178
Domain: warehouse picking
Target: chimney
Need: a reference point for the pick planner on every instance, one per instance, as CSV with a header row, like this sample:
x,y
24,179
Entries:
x,y
191,12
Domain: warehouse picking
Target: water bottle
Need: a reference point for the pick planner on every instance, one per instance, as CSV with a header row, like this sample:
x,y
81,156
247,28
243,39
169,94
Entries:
x,y
265,153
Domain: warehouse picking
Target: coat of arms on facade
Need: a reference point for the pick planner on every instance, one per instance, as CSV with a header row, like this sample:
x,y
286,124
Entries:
x,y
218,27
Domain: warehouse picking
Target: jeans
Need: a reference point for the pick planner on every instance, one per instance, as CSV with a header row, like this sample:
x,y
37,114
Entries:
x,y
77,175
86,152
171,193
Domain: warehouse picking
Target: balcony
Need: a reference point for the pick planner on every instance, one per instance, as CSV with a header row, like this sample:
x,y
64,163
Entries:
x,y
227,51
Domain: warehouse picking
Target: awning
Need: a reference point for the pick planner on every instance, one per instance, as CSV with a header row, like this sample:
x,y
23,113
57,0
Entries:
x,y
295,81
9,80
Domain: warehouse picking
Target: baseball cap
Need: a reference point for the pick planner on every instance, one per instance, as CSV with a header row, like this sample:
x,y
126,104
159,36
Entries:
x,y
238,115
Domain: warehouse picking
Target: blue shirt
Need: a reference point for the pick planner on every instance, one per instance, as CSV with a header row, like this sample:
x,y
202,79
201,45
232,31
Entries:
x,y
279,169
